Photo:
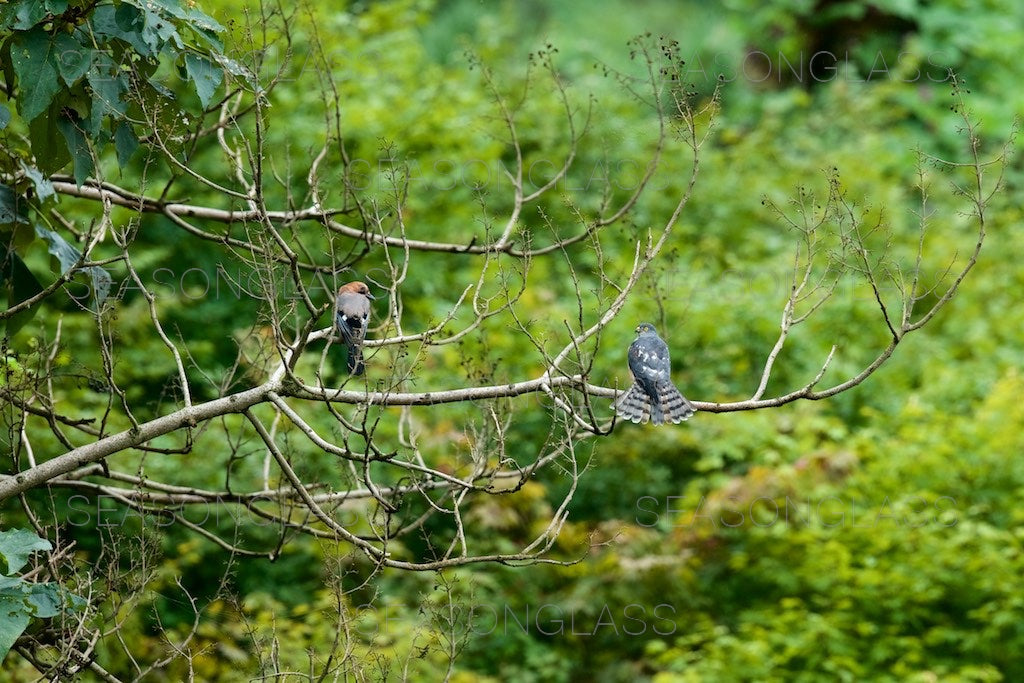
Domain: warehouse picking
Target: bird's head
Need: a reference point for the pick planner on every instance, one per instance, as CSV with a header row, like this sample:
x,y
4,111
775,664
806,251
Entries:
x,y
356,288
645,328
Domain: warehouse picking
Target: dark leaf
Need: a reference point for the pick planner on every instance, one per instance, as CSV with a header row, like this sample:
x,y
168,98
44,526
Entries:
x,y
97,112
193,18
164,31
132,24
78,146
5,61
18,236
48,146
210,36
28,13
160,89
108,83
67,256
44,188
101,282
123,22
7,16
17,230
205,74
12,207
21,285
125,143
73,58
34,61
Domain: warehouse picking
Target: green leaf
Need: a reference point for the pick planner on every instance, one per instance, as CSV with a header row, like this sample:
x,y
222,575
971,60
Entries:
x,y
68,257
48,147
44,188
193,18
14,223
46,599
5,63
203,22
125,143
5,116
14,620
12,207
204,74
132,24
235,68
162,31
108,83
15,547
101,282
20,600
32,56
73,58
21,285
28,13
159,90
210,36
123,22
7,17
78,146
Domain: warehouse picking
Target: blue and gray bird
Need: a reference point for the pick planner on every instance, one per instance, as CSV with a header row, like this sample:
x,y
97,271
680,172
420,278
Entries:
x,y
351,316
653,396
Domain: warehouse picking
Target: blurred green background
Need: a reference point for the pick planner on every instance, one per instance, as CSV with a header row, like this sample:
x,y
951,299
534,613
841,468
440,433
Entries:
x,y
873,536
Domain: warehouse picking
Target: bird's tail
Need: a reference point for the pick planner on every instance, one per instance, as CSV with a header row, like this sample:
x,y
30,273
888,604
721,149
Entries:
x,y
354,360
634,405
673,406
668,405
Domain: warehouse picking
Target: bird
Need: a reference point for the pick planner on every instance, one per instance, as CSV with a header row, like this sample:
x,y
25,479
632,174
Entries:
x,y
653,396
351,315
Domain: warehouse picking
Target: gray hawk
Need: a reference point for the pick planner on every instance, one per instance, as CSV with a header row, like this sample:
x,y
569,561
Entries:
x,y
653,396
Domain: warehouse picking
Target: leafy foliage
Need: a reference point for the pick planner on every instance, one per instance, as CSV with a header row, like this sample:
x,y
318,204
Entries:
x,y
901,555
84,76
21,600
81,68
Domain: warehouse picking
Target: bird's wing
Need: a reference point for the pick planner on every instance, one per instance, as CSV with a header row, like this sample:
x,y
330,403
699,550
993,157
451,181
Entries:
x,y
352,316
649,361
347,333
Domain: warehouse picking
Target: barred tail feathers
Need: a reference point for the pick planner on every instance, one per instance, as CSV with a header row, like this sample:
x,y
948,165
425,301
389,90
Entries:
x,y
674,405
634,405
